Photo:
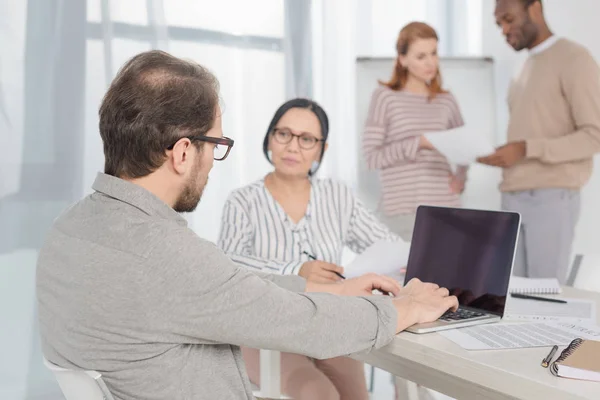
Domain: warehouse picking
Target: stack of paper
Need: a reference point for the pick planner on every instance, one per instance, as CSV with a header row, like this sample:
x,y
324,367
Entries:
x,y
516,336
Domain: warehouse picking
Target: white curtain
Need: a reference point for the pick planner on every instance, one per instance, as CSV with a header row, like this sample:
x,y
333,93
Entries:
x,y
58,57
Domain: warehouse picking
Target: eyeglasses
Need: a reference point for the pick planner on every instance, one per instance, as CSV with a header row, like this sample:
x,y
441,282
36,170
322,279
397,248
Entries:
x,y
222,145
306,141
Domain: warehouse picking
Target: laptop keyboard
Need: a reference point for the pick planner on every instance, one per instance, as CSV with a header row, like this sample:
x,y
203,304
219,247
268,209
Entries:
x,y
460,315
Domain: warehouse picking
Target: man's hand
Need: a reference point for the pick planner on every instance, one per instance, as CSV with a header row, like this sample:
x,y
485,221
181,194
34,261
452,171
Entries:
x,y
420,302
506,156
361,286
320,272
365,284
457,185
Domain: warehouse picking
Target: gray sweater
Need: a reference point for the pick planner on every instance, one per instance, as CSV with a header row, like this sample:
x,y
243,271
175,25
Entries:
x,y
127,289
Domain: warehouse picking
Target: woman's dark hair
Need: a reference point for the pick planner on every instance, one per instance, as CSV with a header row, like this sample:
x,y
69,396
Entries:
x,y
299,103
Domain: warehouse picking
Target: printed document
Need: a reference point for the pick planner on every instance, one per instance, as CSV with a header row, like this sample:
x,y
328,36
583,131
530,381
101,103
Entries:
x,y
383,257
516,336
461,146
575,310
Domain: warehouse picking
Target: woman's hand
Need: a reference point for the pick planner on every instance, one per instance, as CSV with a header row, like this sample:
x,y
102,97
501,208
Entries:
x,y
320,272
457,185
425,144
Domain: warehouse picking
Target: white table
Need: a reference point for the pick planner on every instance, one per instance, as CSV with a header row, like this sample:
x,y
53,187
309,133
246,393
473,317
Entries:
x,y
435,362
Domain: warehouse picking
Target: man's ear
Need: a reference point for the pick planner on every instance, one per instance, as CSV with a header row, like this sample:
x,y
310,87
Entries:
x,y
536,12
180,156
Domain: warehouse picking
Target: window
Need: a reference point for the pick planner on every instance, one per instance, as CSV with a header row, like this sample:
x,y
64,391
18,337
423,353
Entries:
x,y
240,41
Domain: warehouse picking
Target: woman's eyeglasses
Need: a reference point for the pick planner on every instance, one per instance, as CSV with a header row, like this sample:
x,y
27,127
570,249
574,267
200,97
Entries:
x,y
306,141
222,145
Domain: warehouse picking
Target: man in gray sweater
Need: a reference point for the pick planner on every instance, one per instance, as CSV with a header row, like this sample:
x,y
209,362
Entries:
x,y
125,288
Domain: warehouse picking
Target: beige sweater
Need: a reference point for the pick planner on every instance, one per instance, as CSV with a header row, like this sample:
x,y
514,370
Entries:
x,y
555,107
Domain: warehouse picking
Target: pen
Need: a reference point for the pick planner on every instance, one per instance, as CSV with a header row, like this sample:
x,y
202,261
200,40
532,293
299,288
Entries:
x,y
525,296
546,361
314,258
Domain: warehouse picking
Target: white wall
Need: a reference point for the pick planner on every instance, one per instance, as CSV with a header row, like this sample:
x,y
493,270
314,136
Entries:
x,y
575,20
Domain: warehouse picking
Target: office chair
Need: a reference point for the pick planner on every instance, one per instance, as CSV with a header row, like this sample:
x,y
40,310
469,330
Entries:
x,y
270,376
79,384
585,272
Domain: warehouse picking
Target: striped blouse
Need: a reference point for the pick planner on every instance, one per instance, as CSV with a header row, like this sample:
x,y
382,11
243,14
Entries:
x,y
409,176
257,233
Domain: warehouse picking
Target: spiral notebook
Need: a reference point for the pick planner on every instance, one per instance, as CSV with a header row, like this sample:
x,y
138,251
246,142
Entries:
x,y
579,360
534,286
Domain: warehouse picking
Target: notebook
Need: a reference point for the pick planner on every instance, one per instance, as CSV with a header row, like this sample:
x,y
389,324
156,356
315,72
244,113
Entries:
x,y
580,360
534,286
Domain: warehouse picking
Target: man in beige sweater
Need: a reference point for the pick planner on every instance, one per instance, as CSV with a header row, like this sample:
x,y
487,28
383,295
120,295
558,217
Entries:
x,y
553,134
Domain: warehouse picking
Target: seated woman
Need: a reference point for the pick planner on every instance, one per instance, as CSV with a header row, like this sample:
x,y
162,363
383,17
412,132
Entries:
x,y
292,223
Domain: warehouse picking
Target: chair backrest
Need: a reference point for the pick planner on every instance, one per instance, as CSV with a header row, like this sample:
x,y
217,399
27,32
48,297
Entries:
x,y
585,272
79,384
270,376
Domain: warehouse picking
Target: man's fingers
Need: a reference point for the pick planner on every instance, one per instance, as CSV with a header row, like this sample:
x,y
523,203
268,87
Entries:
x,y
442,292
385,285
393,282
451,303
494,160
413,281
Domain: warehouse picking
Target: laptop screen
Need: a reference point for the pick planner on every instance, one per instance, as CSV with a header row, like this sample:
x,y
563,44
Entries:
x,y
470,252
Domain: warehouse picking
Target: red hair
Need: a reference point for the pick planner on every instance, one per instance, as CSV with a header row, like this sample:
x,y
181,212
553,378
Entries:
x,y
408,35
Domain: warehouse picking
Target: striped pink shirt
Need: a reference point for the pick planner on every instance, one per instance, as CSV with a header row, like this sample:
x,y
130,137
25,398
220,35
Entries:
x,y
409,176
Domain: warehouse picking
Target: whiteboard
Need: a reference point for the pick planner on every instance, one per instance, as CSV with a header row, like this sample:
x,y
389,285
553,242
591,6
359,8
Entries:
x,y
471,81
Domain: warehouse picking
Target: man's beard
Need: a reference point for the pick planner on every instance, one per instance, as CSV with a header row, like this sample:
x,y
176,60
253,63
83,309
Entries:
x,y
529,34
192,193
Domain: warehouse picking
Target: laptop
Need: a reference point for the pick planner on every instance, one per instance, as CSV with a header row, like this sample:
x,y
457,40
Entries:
x,y
470,252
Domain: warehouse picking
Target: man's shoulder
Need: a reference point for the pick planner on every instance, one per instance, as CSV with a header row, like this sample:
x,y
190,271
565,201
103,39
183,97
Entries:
x,y
112,234
568,49
100,222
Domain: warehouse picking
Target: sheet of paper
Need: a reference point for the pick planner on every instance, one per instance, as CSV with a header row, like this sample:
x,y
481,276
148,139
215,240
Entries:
x,y
538,285
517,335
461,146
576,310
384,258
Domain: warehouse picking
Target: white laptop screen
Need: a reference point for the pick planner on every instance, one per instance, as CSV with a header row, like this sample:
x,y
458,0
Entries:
x,y
470,252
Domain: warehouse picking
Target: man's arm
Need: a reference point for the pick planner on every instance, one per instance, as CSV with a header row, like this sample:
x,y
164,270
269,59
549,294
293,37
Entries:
x,y
581,87
204,298
295,283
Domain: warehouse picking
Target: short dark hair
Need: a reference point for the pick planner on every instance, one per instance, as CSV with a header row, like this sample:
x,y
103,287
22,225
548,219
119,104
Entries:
x,y
154,100
299,103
